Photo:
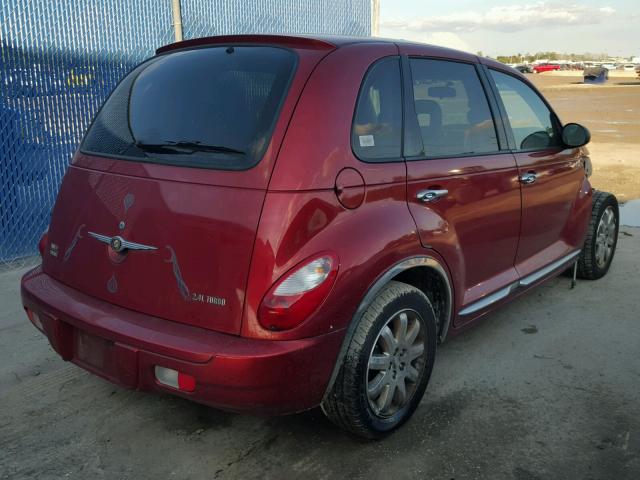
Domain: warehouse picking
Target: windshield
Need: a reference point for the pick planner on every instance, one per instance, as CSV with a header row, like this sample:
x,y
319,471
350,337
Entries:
x,y
212,107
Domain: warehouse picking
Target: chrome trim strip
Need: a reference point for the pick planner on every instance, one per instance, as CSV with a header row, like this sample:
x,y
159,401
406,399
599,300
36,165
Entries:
x,y
538,274
489,299
523,282
126,245
100,238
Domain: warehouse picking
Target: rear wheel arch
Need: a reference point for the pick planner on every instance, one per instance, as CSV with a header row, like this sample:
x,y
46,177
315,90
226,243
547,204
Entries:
x,y
434,283
422,272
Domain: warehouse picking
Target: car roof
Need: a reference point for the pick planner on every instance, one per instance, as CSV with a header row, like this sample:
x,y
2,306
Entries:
x,y
317,42
323,42
333,42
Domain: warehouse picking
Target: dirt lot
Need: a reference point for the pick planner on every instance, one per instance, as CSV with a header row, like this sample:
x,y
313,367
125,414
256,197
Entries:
x,y
612,114
547,388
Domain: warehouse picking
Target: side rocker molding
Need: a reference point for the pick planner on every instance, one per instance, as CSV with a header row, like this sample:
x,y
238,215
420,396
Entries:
x,y
524,282
407,264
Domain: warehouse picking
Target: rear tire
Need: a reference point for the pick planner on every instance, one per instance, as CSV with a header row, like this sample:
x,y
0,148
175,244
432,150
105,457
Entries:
x,y
387,365
601,239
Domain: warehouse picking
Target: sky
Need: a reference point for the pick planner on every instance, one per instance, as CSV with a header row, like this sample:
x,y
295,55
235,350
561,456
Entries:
x,y
508,27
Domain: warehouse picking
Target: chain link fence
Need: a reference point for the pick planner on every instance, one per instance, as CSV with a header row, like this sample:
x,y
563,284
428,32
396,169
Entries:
x,y
59,61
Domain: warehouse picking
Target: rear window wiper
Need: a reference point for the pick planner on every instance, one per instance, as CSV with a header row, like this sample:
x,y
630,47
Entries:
x,y
185,147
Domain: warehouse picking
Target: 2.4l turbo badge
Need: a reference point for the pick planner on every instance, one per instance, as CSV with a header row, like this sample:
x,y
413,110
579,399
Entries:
x,y
210,299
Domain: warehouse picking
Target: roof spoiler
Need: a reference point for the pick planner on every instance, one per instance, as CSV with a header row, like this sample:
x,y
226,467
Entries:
x,y
284,40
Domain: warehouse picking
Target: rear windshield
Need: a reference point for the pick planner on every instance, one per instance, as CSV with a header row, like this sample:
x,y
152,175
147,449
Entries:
x,y
212,107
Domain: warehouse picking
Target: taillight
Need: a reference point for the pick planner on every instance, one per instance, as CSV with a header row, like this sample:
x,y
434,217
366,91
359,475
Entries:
x,y
298,293
42,244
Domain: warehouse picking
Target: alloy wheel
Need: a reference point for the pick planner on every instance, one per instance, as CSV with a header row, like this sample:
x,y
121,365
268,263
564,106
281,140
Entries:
x,y
396,363
605,237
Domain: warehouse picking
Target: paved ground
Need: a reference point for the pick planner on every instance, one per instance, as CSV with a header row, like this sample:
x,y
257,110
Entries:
x,y
547,388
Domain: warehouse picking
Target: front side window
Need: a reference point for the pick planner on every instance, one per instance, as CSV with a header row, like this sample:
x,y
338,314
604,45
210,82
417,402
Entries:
x,y
212,107
377,126
532,123
452,110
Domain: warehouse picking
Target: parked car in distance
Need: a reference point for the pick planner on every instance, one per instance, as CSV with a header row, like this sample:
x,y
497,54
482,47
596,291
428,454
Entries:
x,y
266,223
609,66
547,67
524,68
595,75
629,67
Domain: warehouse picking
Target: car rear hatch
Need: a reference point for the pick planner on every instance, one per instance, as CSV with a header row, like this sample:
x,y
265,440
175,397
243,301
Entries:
x,y
159,209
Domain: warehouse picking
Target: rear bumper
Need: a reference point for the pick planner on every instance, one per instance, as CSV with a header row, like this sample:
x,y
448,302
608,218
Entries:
x,y
233,373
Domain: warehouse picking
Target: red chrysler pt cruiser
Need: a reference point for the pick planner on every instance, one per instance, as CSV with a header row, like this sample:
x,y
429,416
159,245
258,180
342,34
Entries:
x,y
271,223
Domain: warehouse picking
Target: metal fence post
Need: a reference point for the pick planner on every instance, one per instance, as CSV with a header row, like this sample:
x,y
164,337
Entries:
x,y
375,18
177,19
54,78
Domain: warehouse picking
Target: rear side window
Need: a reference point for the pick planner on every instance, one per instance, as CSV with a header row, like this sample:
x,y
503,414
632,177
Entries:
x,y
452,110
532,123
212,107
377,126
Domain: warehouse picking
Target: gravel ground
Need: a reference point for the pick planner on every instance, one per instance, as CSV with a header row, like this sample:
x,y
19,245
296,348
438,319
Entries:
x,y
612,113
547,388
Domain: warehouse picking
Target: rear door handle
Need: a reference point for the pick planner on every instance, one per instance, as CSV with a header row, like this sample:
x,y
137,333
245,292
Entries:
x,y
431,195
528,178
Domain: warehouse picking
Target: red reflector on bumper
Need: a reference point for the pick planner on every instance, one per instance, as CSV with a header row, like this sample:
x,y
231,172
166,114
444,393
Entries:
x,y
186,383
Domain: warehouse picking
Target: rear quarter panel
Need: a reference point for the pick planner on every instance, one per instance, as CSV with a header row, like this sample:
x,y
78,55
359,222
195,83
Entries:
x,y
367,240
302,215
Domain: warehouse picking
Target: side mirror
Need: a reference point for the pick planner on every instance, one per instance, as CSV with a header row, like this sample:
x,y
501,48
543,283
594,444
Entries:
x,y
575,135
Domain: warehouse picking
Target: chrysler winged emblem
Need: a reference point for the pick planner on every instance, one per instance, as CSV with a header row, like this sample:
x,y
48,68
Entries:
x,y
116,244
119,244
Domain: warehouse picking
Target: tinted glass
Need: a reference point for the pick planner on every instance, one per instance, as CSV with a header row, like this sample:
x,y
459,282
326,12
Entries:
x,y
452,109
377,127
209,107
531,121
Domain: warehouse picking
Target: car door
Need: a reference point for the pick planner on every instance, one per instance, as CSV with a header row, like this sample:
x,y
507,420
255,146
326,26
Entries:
x,y
462,182
550,174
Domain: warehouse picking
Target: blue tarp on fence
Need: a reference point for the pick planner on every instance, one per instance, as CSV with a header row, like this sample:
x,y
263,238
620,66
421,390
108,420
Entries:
x,y
59,61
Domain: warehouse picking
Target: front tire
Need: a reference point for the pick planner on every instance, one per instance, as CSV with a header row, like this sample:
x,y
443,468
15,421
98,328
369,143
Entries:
x,y
601,239
387,365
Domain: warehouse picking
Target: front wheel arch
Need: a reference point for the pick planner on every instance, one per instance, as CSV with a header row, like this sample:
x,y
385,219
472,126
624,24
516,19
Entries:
x,y
588,267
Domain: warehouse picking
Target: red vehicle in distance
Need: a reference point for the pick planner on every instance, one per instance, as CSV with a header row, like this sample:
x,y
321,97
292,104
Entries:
x,y
546,67
267,224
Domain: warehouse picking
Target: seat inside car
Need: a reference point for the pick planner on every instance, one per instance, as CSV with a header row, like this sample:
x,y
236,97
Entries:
x,y
429,115
481,134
